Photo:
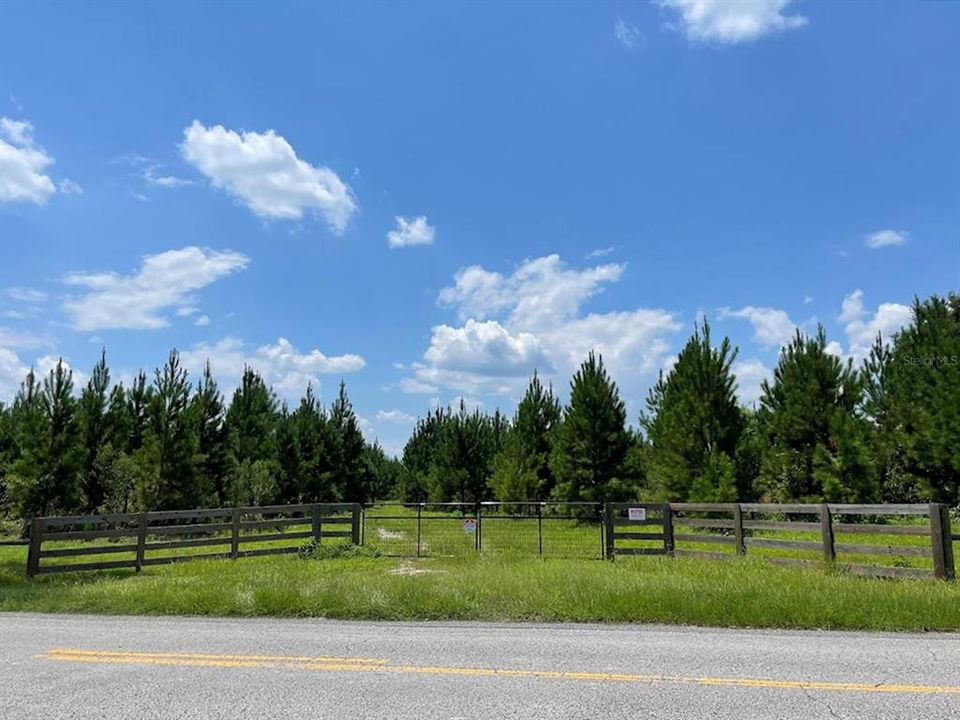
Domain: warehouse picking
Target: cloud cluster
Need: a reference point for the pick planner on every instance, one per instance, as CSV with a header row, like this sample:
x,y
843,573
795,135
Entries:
x,y
263,172
139,301
886,238
282,365
409,232
772,328
533,319
862,327
732,21
23,166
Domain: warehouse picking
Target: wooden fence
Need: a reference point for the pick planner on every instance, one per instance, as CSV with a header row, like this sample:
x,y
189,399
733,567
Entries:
x,y
742,526
137,540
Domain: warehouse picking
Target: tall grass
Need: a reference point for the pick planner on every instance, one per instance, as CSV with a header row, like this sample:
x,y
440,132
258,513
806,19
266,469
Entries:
x,y
744,592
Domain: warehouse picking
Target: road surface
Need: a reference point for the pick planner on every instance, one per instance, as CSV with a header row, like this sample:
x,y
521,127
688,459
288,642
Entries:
x,y
59,666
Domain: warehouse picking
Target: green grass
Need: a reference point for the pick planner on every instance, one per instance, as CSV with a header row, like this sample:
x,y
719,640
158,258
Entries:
x,y
744,592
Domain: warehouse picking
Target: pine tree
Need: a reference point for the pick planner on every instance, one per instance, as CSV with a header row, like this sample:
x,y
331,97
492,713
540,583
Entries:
x,y
314,438
348,467
522,469
592,439
919,411
694,425
45,477
815,439
170,444
384,472
94,419
251,428
419,454
289,462
208,415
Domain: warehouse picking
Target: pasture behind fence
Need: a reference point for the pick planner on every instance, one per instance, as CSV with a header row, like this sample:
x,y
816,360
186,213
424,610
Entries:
x,y
881,540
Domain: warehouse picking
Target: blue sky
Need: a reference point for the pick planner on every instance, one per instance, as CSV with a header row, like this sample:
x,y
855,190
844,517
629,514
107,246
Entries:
x,y
431,200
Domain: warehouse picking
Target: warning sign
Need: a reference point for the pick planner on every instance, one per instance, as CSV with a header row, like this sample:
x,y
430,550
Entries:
x,y
637,514
470,525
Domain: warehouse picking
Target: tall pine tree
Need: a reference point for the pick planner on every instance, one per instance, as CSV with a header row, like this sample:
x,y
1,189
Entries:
x,y
694,425
592,439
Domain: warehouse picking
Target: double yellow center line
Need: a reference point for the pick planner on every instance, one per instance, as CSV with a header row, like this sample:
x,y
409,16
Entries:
x,y
380,665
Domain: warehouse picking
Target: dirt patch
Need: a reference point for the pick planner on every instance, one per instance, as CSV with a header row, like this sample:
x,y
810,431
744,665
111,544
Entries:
x,y
410,569
385,534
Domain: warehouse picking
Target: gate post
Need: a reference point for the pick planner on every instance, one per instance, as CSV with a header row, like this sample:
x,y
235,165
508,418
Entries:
x,y
826,530
609,549
419,508
141,539
33,554
738,530
668,529
235,534
941,538
540,526
355,523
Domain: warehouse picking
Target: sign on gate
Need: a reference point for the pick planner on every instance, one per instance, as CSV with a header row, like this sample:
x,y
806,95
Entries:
x,y
470,525
637,514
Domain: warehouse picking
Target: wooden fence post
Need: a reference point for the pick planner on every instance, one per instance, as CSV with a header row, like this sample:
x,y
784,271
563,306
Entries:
x,y
33,554
941,539
355,523
235,535
315,523
141,539
826,530
609,549
738,530
668,544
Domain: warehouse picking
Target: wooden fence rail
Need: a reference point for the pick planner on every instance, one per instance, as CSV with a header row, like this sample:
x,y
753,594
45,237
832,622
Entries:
x,y
737,531
144,539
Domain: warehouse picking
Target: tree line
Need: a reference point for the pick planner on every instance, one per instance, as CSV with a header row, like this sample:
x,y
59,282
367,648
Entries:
x,y
823,429
170,444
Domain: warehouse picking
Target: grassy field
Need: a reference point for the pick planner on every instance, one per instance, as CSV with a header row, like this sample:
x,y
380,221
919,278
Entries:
x,y
744,592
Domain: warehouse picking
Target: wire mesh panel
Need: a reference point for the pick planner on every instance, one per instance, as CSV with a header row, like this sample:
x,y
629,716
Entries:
x,y
449,530
392,529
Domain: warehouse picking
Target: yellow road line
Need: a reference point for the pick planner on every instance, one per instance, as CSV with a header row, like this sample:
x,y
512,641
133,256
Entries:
x,y
287,659
335,664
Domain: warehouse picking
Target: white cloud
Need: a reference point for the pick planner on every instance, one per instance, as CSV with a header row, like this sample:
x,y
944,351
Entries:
x,y
411,232
19,339
533,320
69,187
772,328
750,375
164,281
599,252
395,416
23,165
628,35
264,173
731,21
862,327
25,295
202,321
886,238
412,386
541,292
282,365
12,372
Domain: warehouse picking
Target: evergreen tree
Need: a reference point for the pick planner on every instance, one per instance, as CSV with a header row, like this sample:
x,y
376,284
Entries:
x,y
45,477
348,466
816,446
251,430
384,472
94,419
419,454
592,439
522,469
138,400
915,402
208,415
289,461
170,444
315,441
694,425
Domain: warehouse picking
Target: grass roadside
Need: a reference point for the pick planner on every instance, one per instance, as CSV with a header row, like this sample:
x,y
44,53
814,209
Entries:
x,y
744,592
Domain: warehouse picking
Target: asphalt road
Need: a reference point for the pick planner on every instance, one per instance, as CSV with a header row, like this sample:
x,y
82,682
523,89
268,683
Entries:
x,y
56,666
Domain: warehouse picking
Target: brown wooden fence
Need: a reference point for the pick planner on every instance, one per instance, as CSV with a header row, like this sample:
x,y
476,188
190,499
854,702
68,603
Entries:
x,y
738,528
137,540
